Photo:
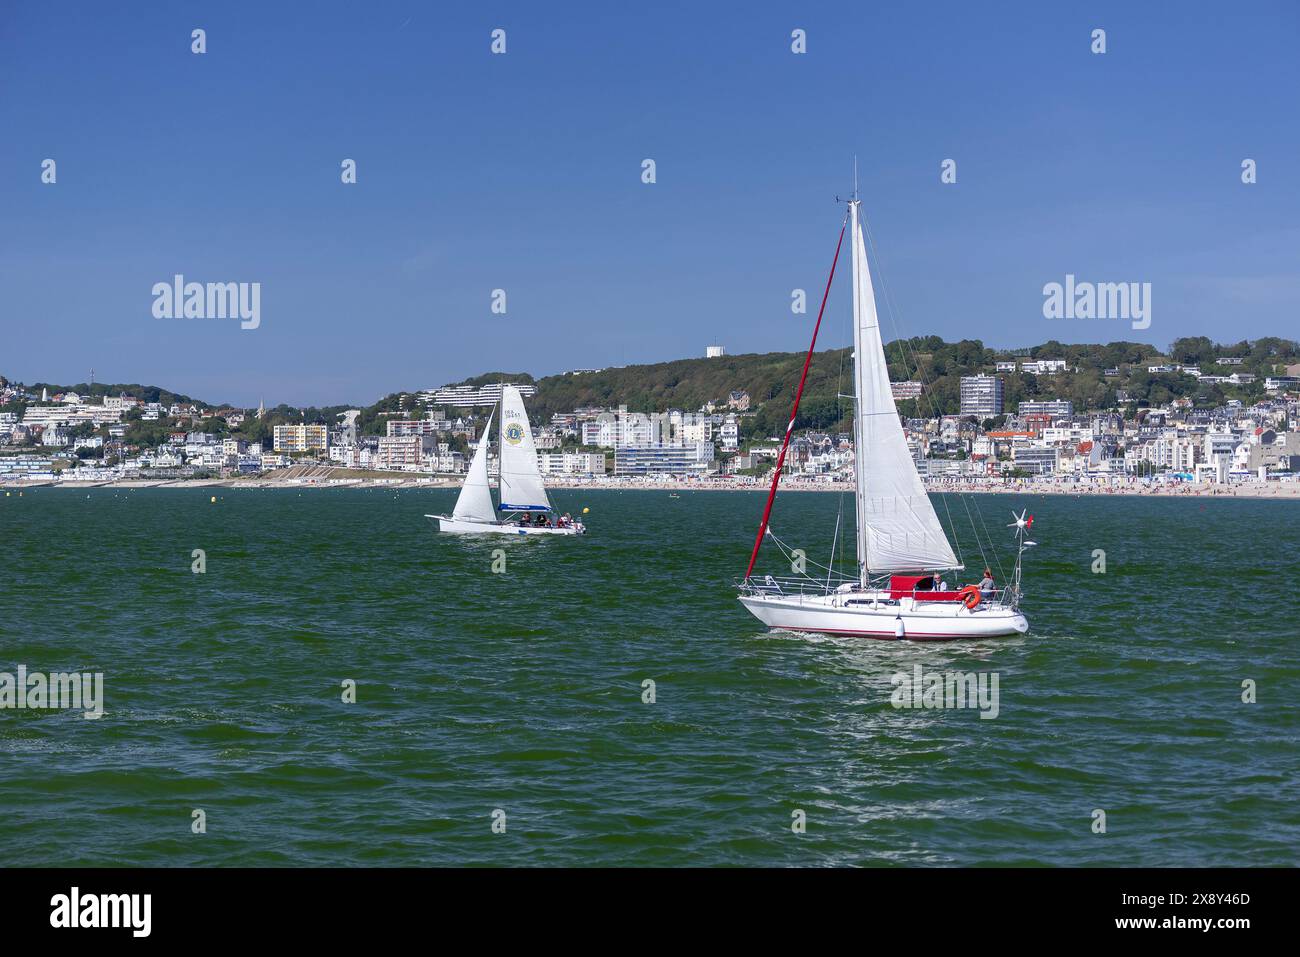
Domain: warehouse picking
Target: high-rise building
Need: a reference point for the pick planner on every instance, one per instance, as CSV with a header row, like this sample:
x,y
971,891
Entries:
x,y
981,395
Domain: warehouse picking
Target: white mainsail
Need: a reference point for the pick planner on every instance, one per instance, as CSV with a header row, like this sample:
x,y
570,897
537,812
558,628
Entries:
x,y
521,481
475,501
897,527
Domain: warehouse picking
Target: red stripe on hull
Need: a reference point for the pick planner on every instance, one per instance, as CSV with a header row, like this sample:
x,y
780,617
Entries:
x,y
887,635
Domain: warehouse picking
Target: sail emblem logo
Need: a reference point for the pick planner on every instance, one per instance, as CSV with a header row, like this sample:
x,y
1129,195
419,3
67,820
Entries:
x,y
514,433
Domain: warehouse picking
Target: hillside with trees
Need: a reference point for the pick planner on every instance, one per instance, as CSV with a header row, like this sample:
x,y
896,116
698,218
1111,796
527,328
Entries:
x,y
770,380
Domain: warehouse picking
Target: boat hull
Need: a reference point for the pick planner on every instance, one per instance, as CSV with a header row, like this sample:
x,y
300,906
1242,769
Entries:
x,y
919,621
460,526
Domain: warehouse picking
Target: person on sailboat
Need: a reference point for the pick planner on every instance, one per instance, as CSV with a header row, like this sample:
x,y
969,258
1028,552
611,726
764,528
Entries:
x,y
986,585
937,583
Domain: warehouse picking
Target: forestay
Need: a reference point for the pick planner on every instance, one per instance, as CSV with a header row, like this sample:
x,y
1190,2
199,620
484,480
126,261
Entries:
x,y
475,501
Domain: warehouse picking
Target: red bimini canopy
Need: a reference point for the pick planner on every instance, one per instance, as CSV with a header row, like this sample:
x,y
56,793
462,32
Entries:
x,y
905,586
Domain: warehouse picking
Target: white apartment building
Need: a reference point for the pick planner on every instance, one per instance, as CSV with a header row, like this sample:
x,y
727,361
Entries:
x,y
1055,407
402,451
415,426
571,463
696,429
448,460
639,429
1043,366
1218,444
729,434
465,396
548,439
602,432
981,395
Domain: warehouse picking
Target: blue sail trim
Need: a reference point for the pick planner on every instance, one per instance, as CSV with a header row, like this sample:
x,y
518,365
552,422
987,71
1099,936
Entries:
x,y
503,507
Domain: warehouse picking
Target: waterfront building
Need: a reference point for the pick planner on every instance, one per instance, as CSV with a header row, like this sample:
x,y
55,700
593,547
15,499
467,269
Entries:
x,y
301,438
1039,459
571,463
403,451
663,459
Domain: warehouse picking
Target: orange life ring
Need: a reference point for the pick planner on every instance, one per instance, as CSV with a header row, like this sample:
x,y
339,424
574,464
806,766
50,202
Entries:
x,y
971,596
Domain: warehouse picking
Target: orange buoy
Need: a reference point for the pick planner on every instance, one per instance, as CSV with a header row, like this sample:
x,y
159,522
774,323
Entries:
x,y
970,595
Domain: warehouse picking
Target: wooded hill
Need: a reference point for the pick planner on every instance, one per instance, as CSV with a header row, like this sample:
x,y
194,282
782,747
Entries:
x,y
770,380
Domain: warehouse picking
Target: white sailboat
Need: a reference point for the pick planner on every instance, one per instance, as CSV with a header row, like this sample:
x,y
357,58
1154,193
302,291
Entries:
x,y
525,508
899,538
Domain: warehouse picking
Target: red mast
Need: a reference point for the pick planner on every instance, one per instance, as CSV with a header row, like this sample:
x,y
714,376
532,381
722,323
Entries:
x,y
789,429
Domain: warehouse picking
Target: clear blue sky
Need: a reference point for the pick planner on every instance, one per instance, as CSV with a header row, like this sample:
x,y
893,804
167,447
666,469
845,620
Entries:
x,y
522,172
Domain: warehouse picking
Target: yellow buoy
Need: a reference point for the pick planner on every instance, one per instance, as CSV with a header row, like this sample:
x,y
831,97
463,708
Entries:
x,y
585,510
214,499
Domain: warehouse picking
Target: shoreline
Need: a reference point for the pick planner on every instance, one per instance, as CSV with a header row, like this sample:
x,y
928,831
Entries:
x,y
1252,489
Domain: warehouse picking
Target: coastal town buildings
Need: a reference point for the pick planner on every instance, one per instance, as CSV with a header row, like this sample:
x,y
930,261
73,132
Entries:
x,y
1240,424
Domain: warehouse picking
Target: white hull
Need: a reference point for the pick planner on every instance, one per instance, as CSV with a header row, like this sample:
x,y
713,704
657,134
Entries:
x,y
460,526
919,621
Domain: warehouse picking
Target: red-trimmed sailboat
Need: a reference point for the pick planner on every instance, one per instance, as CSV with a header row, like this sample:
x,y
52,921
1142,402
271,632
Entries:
x,y
900,542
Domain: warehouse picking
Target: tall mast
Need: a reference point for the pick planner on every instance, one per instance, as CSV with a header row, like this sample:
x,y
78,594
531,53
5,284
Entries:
x,y
859,384
794,412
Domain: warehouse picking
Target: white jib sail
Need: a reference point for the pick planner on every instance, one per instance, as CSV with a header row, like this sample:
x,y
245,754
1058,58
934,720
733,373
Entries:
x,y
475,501
897,527
521,481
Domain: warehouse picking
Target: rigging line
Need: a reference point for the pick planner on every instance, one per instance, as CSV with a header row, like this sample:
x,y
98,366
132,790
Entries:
x,y
787,551
997,561
835,539
966,502
839,516
789,429
979,544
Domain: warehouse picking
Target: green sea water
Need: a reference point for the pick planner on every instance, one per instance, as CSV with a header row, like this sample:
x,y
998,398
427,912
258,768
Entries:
x,y
523,690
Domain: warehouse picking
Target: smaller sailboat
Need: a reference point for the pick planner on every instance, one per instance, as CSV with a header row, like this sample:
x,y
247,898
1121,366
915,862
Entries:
x,y
525,508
